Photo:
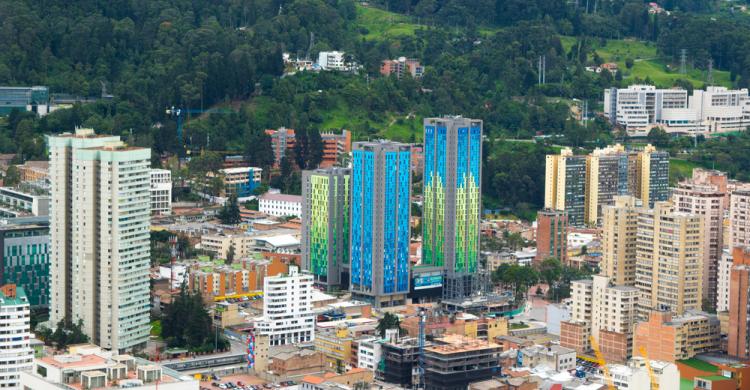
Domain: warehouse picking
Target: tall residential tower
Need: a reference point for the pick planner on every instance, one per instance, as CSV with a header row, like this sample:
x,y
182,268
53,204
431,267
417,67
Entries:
x,y
380,230
452,201
100,253
325,231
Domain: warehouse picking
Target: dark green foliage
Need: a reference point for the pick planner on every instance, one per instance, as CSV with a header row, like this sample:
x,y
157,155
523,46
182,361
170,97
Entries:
x,y
186,324
66,333
230,212
389,321
12,176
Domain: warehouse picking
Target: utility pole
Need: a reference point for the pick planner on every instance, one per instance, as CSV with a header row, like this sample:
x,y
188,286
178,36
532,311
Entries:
x,y
710,71
683,61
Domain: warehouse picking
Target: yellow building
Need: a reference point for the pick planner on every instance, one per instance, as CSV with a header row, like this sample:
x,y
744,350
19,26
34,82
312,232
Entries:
x,y
619,231
336,346
669,260
565,185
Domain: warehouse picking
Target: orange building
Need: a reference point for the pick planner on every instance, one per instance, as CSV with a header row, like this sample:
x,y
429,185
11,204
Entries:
x,y
739,314
574,335
671,338
244,277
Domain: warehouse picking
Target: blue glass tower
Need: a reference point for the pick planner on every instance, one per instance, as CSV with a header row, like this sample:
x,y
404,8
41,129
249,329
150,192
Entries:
x,y
380,212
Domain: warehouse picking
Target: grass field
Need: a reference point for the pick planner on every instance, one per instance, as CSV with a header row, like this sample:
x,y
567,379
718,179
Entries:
x,y
680,169
381,24
647,62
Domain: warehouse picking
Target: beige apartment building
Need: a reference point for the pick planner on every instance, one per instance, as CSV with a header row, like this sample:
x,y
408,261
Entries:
x,y
669,260
99,227
619,230
668,338
700,197
565,185
739,218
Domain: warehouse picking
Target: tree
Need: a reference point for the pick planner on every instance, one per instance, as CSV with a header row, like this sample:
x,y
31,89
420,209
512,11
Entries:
x,y
659,137
389,321
230,254
258,149
629,63
197,334
230,213
66,333
551,270
12,176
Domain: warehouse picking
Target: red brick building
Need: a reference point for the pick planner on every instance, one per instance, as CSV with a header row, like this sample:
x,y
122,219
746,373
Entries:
x,y
739,336
551,236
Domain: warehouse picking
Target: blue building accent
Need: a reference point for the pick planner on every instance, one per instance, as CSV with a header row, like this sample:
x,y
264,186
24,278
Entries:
x,y
404,228
356,224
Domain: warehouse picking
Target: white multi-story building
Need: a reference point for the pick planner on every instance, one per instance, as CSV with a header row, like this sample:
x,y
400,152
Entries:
x,y
635,375
369,353
15,203
723,281
161,192
99,228
332,60
16,355
739,218
280,205
287,309
639,108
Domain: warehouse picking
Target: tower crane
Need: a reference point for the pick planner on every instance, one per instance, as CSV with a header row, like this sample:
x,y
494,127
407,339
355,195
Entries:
x,y
179,113
652,377
602,363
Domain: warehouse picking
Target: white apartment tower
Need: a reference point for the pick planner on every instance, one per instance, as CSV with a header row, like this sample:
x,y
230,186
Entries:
x,y
161,192
287,309
99,222
16,354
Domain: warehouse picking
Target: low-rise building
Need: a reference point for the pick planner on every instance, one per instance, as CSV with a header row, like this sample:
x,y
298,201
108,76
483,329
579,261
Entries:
x,y
554,356
161,192
670,338
401,67
455,361
280,205
369,352
290,361
282,241
32,99
336,345
34,171
332,60
216,280
635,374
25,251
15,202
240,181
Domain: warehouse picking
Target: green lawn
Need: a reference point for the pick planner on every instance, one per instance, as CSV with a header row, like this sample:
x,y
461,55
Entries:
x,y
381,24
518,325
156,328
647,62
680,169
686,384
699,365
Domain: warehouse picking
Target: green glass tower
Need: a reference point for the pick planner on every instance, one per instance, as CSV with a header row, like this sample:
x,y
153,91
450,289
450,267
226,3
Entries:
x,y
25,248
452,201
325,228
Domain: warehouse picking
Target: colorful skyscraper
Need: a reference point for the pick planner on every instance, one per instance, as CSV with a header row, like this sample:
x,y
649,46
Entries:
x,y
380,231
452,201
325,231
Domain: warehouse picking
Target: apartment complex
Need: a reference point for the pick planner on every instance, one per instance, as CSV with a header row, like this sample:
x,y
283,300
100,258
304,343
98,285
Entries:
x,y
240,181
402,66
639,108
380,229
325,233
669,260
739,304
669,338
619,232
584,185
602,310
280,205
100,253
161,192
452,201
24,243
739,218
551,236
287,309
16,354
284,140
699,197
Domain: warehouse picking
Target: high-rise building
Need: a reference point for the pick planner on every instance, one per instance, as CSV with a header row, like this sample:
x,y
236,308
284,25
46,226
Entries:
x,y
287,309
619,229
606,177
565,185
739,218
100,253
723,280
16,354
652,182
161,192
695,196
551,236
739,304
24,243
380,230
325,227
669,260
452,201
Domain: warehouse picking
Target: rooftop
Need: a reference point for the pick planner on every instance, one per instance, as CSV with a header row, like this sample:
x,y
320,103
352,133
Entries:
x,y
281,197
454,343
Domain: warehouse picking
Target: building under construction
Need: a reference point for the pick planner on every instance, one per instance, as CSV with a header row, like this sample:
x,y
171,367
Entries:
x,y
454,361
400,362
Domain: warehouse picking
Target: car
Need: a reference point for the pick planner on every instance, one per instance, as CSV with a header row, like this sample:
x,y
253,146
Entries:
x,y
239,383
223,386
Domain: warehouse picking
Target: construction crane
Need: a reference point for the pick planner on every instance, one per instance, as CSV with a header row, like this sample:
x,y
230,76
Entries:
x,y
602,363
654,381
179,113
420,362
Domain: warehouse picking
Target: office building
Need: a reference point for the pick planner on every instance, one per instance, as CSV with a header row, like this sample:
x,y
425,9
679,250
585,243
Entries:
x,y
24,243
739,218
619,229
325,228
454,361
240,181
16,355
669,260
551,236
739,304
452,201
604,311
100,252
380,230
287,309
670,338
32,99
332,60
17,202
606,178
639,108
161,192
565,185
280,205
402,66
708,201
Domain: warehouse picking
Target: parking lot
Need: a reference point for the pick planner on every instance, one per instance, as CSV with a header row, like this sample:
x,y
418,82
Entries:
x,y
237,382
